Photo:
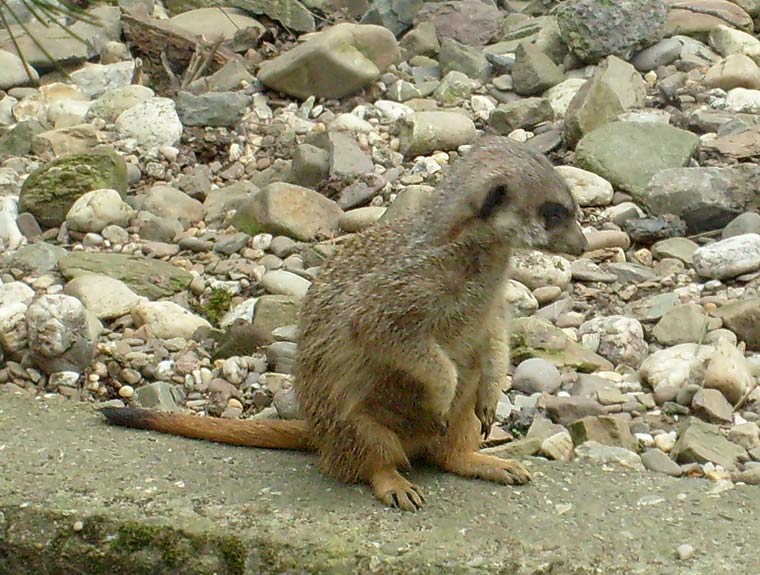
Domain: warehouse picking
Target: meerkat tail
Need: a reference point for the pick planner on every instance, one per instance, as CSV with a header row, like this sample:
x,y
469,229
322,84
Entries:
x,y
270,433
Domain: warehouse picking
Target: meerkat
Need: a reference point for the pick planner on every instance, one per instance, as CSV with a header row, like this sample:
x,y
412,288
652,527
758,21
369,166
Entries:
x,y
403,336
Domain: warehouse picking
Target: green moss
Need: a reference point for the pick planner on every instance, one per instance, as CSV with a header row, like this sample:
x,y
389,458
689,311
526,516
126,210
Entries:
x,y
217,304
234,554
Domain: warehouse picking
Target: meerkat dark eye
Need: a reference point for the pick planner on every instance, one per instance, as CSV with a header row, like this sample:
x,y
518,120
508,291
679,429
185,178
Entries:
x,y
553,214
497,197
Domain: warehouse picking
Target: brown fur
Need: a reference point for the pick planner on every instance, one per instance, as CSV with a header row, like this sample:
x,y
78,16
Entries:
x,y
403,342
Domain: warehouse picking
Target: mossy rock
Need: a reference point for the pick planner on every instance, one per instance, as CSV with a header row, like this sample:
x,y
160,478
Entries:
x,y
50,191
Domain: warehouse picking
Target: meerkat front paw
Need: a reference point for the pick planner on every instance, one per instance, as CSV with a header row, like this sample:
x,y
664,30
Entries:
x,y
486,414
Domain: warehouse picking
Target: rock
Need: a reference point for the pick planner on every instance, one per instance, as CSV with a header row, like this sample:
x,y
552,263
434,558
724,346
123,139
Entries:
x,y
683,324
706,198
347,159
587,271
168,202
662,53
212,109
746,223
158,395
221,200
604,429
727,40
743,318
615,87
710,405
281,282
152,123
421,41
285,402
113,102
743,100
40,257
424,132
700,442
11,237
604,455
15,292
557,447
146,277
215,22
271,312
658,461
521,301
410,200
536,375
629,154
735,71
470,22
98,209
675,366
166,319
746,435
311,165
532,337
562,94
680,248
729,372
13,331
699,17
334,63
61,336
587,188
14,72
360,218
594,29
458,57
106,297
728,258
536,269
50,191
73,140
290,210
524,113
621,339
94,80
534,72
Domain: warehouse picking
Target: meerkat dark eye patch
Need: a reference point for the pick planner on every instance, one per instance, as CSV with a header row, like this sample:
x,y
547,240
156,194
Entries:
x,y
497,197
553,214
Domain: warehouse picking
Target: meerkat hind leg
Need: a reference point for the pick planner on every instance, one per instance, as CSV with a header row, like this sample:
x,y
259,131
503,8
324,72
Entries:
x,y
390,487
457,453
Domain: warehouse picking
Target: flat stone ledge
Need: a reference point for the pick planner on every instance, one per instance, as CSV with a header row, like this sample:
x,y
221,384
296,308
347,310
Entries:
x,y
77,496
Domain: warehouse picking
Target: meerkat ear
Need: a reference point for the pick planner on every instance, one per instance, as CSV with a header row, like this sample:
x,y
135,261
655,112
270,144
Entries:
x,y
496,197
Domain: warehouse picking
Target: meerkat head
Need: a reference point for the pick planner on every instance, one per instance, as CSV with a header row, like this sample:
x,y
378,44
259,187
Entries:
x,y
510,191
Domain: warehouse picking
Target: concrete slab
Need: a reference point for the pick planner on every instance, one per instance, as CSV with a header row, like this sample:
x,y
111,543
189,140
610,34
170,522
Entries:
x,y
79,497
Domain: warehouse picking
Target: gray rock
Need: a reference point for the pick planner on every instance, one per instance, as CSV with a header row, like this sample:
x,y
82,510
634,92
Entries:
x,y
536,375
167,319
658,461
425,132
524,113
410,200
746,223
700,442
728,258
706,198
682,324
470,22
662,53
14,72
168,202
421,41
311,165
604,429
285,402
61,335
231,77
606,454
272,312
454,88
146,277
231,244
621,339
152,123
38,257
113,102
629,154
347,159
212,109
281,282
335,63
743,318
94,80
106,297
95,210
396,15
157,228
221,200
215,22
710,405
594,29
615,87
455,56
291,210
158,395
534,72
50,191
680,248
